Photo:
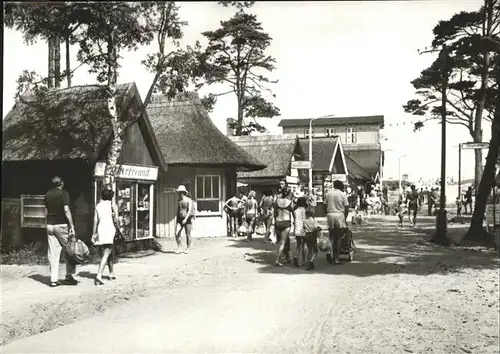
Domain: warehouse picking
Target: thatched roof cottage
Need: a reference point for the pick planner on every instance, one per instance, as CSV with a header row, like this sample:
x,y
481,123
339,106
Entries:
x,y
199,157
66,132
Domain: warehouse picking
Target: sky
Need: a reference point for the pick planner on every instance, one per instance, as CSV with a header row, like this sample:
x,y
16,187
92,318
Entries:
x,y
340,58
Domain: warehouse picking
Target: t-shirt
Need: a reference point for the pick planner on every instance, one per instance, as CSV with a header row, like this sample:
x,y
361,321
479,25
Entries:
x,y
55,200
310,225
336,201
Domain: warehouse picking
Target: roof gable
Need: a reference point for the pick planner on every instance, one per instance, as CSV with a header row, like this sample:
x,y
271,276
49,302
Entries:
x,y
187,136
276,151
324,151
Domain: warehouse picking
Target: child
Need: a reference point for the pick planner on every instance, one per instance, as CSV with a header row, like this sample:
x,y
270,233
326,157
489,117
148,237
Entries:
x,y
459,203
401,211
311,230
299,216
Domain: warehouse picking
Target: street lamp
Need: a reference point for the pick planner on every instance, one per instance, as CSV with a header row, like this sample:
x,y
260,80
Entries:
x,y
310,154
399,171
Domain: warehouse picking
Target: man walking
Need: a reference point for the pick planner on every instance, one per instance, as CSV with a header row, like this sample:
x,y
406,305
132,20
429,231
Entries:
x,y
60,229
184,219
337,209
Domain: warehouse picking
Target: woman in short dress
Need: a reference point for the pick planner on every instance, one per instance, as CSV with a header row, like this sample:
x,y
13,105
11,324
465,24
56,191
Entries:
x,y
283,209
104,233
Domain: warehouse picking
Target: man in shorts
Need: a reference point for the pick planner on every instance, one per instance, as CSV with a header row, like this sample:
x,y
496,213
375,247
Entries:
x,y
184,218
60,229
337,209
413,200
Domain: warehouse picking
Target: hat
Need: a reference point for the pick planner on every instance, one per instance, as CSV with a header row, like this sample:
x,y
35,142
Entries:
x,y
298,194
182,188
57,181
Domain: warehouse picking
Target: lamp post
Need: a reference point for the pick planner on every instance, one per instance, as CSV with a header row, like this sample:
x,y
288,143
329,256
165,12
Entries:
x,y
310,155
399,171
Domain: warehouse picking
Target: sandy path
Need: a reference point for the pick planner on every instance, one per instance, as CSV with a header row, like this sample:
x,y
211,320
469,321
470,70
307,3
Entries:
x,y
397,296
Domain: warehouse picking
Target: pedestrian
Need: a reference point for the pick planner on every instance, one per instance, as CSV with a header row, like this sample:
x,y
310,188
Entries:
x,y
468,200
299,216
266,212
251,207
400,212
458,203
184,219
283,222
232,208
337,209
311,231
413,201
104,233
435,199
60,230
430,200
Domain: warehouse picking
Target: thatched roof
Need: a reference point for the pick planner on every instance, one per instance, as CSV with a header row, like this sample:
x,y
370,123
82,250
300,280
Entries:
x,y
328,121
71,123
322,152
275,151
187,136
368,159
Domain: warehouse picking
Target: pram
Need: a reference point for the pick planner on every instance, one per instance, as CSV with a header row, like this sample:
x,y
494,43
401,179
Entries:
x,y
347,246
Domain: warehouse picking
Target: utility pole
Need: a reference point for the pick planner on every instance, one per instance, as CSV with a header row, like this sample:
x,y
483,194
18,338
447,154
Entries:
x,y
440,236
310,156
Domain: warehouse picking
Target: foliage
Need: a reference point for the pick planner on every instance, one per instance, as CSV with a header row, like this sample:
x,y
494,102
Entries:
x,y
30,254
238,4
236,56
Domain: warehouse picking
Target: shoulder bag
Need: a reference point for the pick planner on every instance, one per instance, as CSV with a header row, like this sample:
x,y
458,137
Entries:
x,y
119,238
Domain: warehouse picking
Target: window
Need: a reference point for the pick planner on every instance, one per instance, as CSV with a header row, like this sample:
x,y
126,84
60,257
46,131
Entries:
x,y
351,135
208,194
306,134
330,132
33,211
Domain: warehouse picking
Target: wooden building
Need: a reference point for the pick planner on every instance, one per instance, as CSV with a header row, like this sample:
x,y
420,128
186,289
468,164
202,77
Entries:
x,y
67,133
199,157
277,152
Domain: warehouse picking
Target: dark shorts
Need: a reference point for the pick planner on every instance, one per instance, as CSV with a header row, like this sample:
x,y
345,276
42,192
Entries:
x,y
249,218
282,225
188,221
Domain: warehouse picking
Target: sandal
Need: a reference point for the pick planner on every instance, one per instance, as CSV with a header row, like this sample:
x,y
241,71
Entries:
x,y
55,284
98,282
278,264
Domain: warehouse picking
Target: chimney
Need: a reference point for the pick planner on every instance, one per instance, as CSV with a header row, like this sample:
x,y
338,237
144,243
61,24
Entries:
x,y
229,129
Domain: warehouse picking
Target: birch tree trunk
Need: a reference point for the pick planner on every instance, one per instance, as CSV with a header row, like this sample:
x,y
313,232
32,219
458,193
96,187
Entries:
x,y
116,141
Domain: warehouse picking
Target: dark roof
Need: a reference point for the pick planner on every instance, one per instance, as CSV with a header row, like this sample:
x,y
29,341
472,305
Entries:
x,y
304,122
368,159
355,170
187,135
322,149
275,151
69,123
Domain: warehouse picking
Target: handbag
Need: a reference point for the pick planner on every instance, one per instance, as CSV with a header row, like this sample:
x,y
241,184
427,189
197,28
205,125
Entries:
x,y
77,252
119,238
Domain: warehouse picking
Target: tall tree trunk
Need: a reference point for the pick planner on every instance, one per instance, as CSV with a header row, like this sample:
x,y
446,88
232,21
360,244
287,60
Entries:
x,y
50,82
476,231
57,61
478,155
116,141
68,61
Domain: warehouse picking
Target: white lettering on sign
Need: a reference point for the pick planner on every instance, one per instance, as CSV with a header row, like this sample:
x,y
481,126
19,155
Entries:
x,y
340,177
129,172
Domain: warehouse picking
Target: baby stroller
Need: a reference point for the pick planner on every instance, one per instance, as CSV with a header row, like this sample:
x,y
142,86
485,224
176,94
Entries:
x,y
347,245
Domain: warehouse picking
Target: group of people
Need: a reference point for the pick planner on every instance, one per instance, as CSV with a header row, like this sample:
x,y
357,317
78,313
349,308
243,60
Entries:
x,y
291,214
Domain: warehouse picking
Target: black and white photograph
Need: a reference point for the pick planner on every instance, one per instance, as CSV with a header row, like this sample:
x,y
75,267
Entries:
x,y
250,177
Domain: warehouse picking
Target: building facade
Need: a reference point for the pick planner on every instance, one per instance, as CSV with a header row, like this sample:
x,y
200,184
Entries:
x,y
360,137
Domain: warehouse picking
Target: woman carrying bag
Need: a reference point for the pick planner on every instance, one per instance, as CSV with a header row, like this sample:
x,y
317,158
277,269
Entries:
x,y
105,233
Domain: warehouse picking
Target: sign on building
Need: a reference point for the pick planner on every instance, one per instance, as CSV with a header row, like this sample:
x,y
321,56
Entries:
x,y
301,165
340,177
475,145
129,172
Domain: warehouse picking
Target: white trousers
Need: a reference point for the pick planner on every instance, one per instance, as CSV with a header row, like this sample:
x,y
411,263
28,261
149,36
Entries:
x,y
57,237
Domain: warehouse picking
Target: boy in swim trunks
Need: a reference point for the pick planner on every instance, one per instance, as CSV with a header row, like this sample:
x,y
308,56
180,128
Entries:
x,y
312,230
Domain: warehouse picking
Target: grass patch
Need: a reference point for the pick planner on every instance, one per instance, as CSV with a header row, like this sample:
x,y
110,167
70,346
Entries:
x,y
30,254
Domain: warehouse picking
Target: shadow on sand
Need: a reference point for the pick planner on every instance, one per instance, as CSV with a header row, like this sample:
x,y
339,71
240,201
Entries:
x,y
382,249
